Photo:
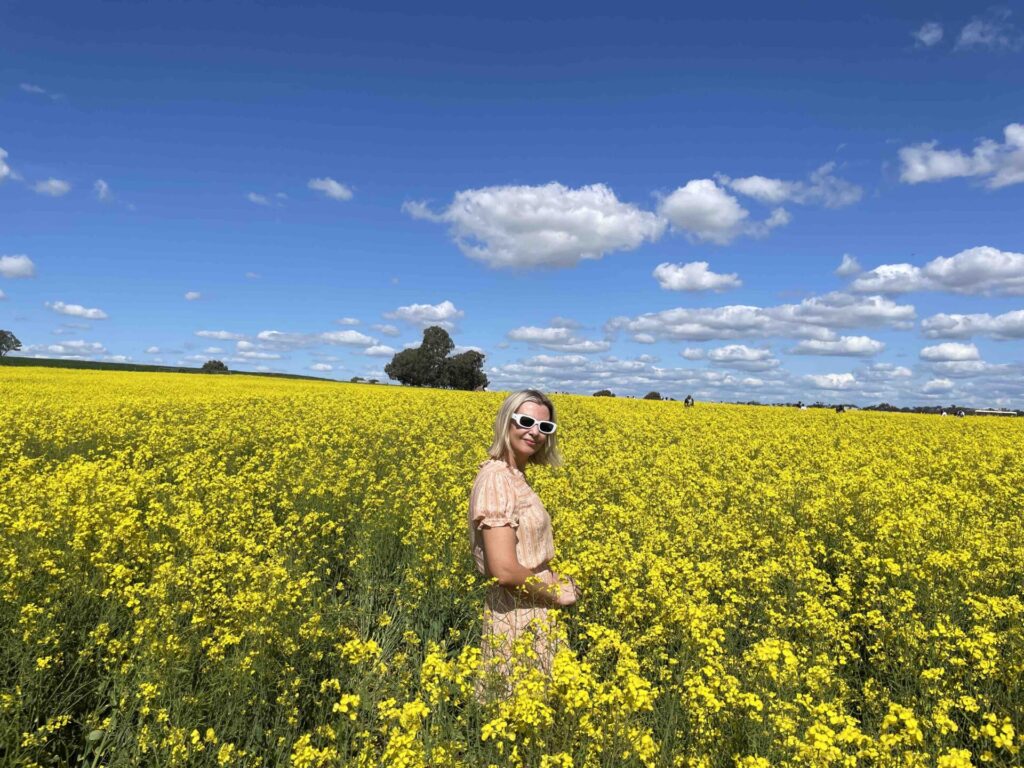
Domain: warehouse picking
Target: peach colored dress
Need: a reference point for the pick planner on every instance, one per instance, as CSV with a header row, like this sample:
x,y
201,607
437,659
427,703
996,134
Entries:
x,y
501,496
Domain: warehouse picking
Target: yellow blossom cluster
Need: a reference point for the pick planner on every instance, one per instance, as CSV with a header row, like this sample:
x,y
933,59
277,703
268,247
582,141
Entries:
x,y
245,571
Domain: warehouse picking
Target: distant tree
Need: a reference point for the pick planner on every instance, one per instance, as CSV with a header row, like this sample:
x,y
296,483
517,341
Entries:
x,y
214,366
429,365
604,393
652,396
465,371
374,381
8,343
356,380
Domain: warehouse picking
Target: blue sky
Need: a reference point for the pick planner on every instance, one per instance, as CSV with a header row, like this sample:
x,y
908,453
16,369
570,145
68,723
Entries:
x,y
817,203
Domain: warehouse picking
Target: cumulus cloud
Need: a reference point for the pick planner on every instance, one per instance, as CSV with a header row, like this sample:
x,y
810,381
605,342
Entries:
x,y
444,314
152,350
694,276
844,346
936,386
1009,325
993,31
706,212
929,34
823,187
541,226
17,266
102,190
221,335
950,351
380,350
348,338
331,188
386,329
257,199
999,165
78,349
833,381
848,267
558,338
77,310
193,295
322,367
743,357
347,321
813,318
980,270
52,187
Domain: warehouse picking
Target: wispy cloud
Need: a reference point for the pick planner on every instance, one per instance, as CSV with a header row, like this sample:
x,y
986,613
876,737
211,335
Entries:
x,y
77,310
52,187
929,34
333,189
38,90
993,31
102,190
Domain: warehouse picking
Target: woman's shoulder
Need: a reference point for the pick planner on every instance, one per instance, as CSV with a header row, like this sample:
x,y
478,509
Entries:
x,y
497,467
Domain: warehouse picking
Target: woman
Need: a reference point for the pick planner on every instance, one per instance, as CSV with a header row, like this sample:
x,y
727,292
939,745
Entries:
x,y
510,534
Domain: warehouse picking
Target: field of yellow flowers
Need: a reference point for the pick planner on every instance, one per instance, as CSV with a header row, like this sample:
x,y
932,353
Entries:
x,y
242,571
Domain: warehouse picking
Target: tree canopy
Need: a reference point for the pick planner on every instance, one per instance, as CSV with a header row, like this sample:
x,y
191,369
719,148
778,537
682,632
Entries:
x,y
432,365
214,366
8,343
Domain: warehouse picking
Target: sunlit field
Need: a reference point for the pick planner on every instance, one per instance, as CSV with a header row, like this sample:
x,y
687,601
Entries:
x,y
226,570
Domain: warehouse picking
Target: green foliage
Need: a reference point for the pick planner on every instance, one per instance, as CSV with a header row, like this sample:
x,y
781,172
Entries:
x,y
429,364
604,393
214,366
8,343
652,396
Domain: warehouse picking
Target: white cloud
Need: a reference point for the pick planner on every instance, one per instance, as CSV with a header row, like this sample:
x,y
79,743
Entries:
x,y
258,199
323,367
694,276
52,187
17,266
1009,325
38,90
950,351
331,188
849,266
2,295
444,314
253,275
937,386
193,295
380,350
822,188
348,321
929,34
77,349
705,212
999,164
213,350
743,357
993,31
221,335
152,350
813,318
77,310
102,190
846,346
693,353
387,330
832,381
353,338
542,226
558,338
5,169
980,270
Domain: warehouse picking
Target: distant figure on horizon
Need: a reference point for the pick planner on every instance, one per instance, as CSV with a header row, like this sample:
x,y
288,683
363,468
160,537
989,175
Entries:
x,y
688,402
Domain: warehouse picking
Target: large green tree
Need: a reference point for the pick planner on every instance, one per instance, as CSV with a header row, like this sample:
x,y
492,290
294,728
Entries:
x,y
8,343
429,364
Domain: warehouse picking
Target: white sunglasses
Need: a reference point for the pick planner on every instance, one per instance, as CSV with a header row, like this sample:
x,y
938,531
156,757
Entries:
x,y
526,422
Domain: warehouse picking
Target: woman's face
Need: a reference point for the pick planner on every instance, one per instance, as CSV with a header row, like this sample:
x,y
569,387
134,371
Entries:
x,y
526,442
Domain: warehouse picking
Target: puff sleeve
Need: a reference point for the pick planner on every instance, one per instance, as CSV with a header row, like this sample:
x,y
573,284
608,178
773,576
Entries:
x,y
492,503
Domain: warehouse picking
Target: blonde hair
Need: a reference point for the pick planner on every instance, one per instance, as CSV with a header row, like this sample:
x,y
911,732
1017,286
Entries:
x,y
501,448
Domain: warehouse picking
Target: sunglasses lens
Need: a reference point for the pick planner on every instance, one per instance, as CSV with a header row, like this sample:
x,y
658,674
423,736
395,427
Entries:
x,y
525,422
547,427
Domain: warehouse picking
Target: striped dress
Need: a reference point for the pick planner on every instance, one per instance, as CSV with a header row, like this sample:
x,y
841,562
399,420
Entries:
x,y
501,496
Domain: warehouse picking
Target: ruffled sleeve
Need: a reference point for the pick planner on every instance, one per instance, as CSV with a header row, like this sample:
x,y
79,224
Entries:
x,y
493,501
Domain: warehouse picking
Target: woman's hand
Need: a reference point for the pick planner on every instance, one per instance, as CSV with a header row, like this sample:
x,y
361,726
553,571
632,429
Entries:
x,y
568,593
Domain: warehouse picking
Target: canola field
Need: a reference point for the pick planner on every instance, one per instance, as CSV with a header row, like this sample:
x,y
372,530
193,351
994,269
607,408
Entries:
x,y
238,571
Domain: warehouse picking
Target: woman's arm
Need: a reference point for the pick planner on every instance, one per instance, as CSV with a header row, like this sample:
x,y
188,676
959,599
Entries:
x,y
502,564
